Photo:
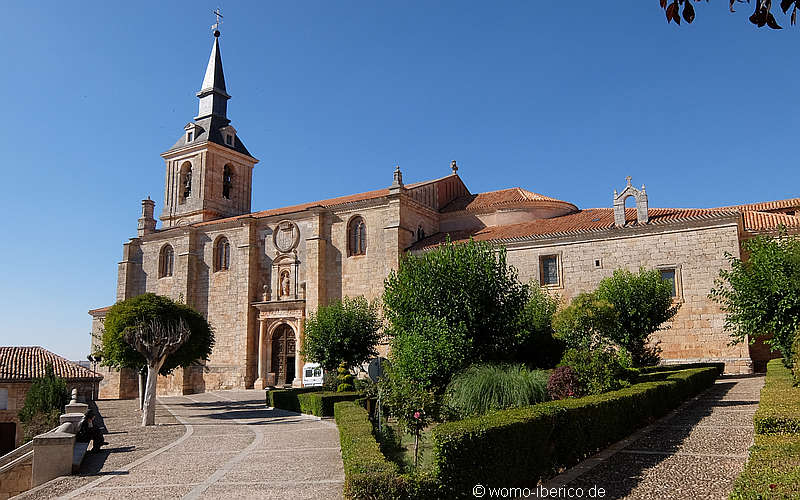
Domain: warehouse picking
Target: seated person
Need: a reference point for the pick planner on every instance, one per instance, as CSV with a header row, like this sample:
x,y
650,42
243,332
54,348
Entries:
x,y
89,431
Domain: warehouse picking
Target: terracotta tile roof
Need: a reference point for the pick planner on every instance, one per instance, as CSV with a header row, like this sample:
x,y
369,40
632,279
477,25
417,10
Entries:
x,y
768,206
764,221
99,310
498,199
584,221
25,363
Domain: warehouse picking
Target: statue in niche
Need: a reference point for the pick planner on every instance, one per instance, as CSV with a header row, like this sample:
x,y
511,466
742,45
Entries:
x,y
285,284
187,184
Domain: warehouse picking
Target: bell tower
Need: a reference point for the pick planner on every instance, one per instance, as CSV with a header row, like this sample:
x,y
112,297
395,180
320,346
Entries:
x,y
209,171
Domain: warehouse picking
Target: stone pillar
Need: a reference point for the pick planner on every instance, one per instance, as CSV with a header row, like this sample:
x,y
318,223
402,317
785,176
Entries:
x,y
268,340
261,381
129,270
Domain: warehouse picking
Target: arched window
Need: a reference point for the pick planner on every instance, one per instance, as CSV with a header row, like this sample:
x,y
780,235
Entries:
x,y
166,259
357,236
227,182
222,254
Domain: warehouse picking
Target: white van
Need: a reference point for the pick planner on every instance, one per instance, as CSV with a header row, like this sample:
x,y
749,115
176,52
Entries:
x,y
312,375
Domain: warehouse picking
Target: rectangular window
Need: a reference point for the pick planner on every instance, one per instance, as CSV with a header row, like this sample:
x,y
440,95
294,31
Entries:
x,y
669,275
548,265
229,140
189,137
3,399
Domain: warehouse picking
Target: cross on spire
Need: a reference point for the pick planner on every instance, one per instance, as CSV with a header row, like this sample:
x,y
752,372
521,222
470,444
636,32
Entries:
x,y
628,179
215,26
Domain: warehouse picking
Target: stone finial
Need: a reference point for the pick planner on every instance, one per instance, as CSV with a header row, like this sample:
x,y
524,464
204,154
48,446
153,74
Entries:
x,y
642,216
74,398
265,294
397,181
147,223
454,166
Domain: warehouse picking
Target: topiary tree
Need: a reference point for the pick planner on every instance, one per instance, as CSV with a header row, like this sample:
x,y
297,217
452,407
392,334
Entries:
x,y
346,331
127,316
412,406
466,294
44,403
761,295
643,304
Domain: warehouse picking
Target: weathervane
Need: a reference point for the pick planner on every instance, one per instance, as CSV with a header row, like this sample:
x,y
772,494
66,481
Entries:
x,y
215,26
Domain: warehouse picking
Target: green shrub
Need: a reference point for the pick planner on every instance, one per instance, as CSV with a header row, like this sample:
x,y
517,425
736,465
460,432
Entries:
x,y
535,343
779,409
485,387
600,370
518,447
44,402
796,358
586,322
367,472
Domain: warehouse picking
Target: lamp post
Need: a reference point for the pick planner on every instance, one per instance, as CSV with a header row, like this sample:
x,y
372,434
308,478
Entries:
x,y
94,360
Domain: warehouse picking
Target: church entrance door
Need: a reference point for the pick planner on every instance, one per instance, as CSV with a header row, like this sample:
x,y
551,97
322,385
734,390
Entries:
x,y
283,355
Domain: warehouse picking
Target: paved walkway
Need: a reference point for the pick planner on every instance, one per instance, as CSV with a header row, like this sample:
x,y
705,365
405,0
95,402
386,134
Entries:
x,y
695,452
233,447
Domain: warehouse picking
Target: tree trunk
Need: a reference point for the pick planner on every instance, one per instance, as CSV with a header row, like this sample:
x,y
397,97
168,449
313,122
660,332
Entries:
x,y
416,447
149,412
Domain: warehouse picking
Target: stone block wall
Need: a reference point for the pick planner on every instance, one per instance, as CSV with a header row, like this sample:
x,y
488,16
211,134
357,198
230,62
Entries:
x,y
697,253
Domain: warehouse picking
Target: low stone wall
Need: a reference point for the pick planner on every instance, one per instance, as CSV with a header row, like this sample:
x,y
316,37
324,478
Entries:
x,y
16,471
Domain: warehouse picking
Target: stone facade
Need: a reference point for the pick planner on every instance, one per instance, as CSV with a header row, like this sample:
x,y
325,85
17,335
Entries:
x,y
279,265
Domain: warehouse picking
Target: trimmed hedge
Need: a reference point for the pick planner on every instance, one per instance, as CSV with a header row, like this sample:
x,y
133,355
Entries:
x,y
779,409
287,399
683,366
309,400
773,468
367,472
520,446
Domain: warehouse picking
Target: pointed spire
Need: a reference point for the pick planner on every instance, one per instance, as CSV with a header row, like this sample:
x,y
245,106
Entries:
x,y
213,95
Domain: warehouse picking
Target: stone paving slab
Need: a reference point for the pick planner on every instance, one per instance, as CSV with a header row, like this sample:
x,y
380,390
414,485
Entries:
x,y
697,451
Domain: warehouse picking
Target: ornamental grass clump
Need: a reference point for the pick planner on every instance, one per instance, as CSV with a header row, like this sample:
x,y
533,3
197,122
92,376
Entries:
x,y
486,387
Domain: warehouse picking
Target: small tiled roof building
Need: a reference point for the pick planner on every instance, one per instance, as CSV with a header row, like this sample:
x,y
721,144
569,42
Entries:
x,y
19,366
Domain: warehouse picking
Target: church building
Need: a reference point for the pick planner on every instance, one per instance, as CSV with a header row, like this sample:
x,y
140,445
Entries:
x,y
256,275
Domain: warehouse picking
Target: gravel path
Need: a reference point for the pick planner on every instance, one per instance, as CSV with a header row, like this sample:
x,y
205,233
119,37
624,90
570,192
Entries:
x,y
695,452
229,446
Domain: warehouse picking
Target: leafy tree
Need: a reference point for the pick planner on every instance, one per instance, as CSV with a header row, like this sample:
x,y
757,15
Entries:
x,y
44,402
586,323
346,331
761,17
466,294
761,295
643,304
126,316
156,339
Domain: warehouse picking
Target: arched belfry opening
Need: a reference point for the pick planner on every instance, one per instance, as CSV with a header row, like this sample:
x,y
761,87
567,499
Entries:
x,y
639,196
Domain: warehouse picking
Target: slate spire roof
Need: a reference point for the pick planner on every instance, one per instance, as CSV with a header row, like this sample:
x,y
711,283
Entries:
x,y
212,113
213,94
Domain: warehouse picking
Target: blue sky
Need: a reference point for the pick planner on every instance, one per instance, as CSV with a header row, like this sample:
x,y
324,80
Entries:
x,y
562,99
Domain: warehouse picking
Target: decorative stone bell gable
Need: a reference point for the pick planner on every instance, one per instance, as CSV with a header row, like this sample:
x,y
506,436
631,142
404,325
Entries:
x,y
641,204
